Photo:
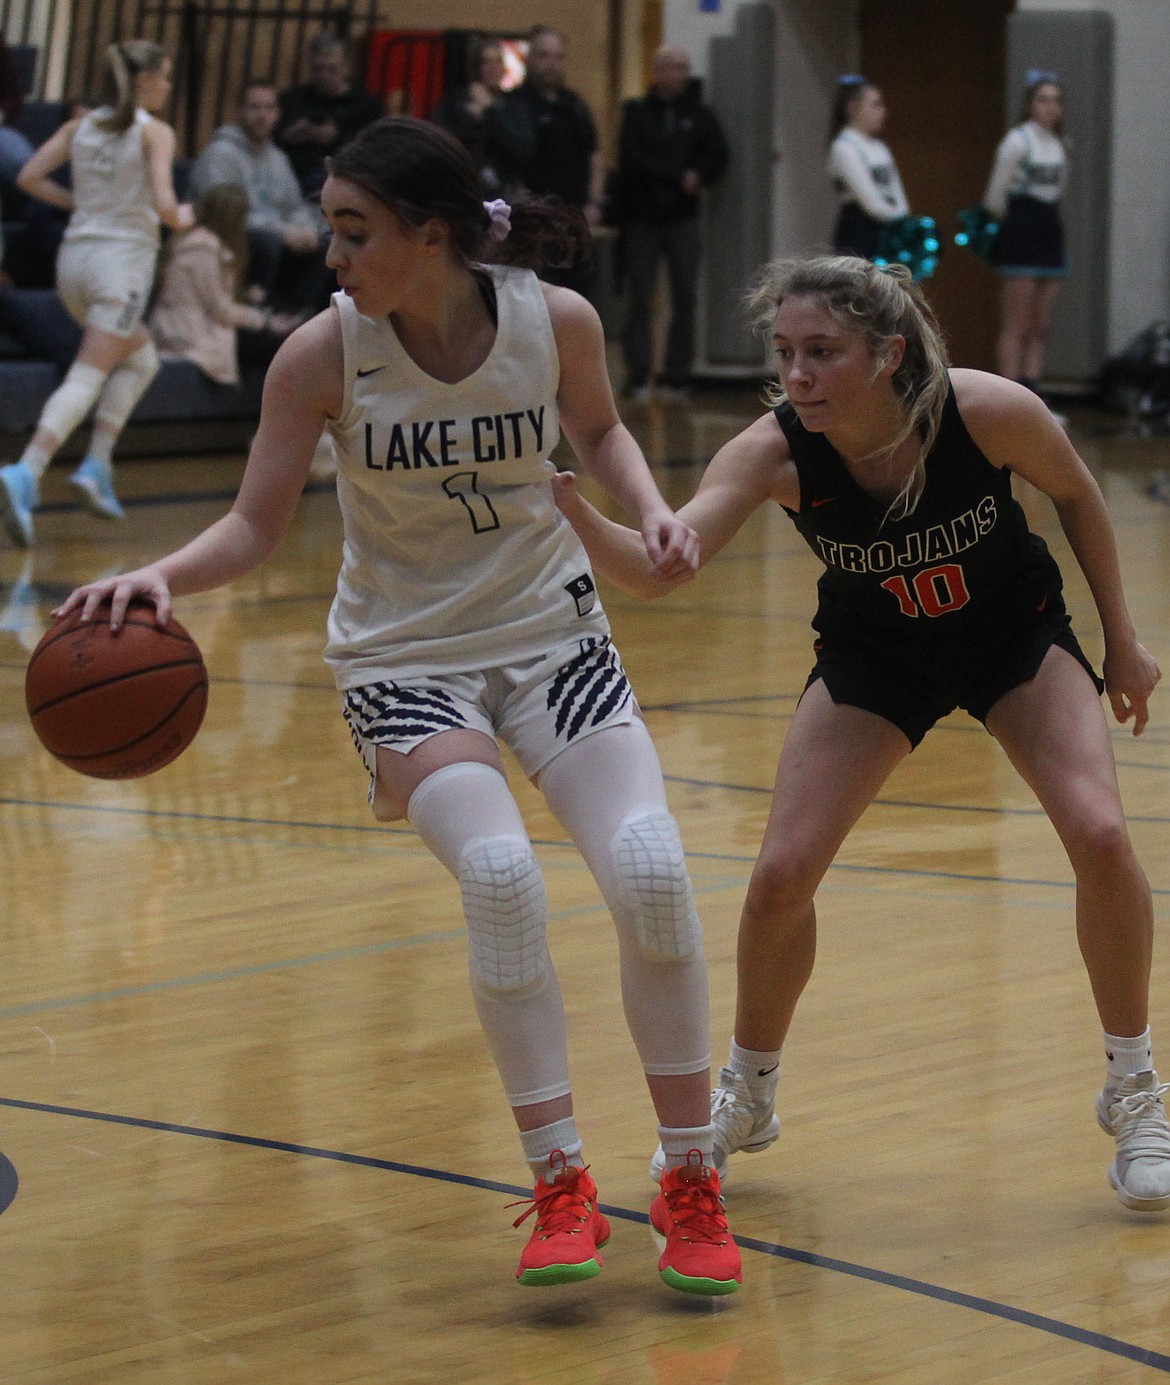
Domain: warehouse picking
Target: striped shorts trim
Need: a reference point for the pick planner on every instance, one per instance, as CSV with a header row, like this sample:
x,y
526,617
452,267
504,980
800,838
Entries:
x,y
537,707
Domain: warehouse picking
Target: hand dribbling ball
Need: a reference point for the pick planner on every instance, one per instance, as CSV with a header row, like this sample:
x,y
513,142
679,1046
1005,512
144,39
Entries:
x,y
116,705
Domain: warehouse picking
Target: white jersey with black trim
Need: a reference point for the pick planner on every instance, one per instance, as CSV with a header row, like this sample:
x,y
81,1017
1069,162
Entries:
x,y
111,192
863,171
1030,162
455,555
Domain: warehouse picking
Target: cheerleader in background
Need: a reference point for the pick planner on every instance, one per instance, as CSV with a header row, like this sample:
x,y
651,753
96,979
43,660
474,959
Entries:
x,y
862,169
1027,182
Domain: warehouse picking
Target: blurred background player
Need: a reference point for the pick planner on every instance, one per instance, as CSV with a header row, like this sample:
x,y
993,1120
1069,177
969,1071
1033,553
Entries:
x,y
120,156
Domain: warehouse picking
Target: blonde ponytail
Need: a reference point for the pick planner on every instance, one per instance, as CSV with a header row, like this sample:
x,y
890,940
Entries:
x,y
124,61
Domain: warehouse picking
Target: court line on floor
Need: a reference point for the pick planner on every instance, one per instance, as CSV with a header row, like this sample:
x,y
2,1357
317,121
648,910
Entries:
x,y
989,1307
921,805
724,857
703,889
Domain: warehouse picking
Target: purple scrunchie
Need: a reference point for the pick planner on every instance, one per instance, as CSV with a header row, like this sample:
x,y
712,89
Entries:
x,y
500,216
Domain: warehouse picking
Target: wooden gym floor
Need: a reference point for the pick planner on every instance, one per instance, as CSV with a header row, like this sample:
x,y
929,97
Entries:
x,y
248,1128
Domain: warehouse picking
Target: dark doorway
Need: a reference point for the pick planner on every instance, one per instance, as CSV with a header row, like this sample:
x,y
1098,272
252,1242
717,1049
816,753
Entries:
x,y
940,65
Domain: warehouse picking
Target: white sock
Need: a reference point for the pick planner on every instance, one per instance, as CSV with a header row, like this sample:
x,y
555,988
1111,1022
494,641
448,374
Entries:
x,y
677,1143
101,445
119,397
540,1143
760,1069
1126,1056
37,459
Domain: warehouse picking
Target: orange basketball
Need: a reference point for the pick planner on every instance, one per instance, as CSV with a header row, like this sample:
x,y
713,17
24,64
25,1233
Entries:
x,y
121,705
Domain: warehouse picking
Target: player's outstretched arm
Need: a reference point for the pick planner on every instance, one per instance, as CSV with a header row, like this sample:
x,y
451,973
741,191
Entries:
x,y
603,444
751,468
302,391
1013,428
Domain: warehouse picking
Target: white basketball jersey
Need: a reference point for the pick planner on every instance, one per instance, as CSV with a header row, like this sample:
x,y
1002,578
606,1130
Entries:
x,y
455,556
111,193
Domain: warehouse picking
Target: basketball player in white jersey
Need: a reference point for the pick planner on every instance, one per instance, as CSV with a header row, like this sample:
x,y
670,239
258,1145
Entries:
x,y
120,157
465,613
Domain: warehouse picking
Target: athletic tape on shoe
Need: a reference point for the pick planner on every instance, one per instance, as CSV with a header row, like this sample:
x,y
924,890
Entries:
x,y
649,860
506,911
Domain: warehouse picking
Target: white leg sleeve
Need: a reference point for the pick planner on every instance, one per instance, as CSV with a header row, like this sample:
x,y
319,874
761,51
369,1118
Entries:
x,y
124,387
467,816
607,792
72,400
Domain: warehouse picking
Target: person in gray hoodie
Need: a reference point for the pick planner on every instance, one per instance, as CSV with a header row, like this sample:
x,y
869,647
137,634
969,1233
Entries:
x,y
286,234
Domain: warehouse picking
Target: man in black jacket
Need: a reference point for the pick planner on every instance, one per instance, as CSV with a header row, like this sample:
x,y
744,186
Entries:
x,y
671,147
323,113
542,137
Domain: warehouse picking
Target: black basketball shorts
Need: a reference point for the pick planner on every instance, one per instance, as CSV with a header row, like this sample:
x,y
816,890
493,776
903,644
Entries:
x,y
914,684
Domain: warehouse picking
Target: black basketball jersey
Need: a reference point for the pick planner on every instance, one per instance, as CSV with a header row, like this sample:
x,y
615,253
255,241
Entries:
x,y
963,553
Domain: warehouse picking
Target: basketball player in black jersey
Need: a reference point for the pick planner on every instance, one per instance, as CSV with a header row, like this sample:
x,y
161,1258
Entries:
x,y
935,595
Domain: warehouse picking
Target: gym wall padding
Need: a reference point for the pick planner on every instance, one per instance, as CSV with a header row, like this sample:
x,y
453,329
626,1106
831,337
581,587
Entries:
x,y
739,220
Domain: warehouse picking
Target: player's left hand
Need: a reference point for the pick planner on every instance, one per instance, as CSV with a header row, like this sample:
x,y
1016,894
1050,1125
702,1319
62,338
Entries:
x,y
672,545
1131,675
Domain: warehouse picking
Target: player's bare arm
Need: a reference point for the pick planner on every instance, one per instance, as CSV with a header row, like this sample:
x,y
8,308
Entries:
x,y
1013,428
752,468
158,141
303,389
35,177
602,442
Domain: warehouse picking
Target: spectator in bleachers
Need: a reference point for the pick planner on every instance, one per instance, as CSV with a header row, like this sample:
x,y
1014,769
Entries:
x,y
197,309
545,139
466,110
320,115
121,157
15,149
286,236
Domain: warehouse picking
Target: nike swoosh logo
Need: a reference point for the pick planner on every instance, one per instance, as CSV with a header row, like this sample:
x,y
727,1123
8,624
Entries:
x,y
763,1072
373,370
825,500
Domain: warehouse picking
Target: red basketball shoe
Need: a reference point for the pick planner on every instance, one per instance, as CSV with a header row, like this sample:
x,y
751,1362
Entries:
x,y
700,1255
569,1228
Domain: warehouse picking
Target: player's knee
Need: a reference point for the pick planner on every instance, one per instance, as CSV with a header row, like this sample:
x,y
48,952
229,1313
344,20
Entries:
x,y
1100,847
145,361
780,883
506,911
651,866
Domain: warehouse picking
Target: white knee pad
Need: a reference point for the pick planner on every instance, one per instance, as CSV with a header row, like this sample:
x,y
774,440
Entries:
x,y
649,861
506,911
126,386
72,399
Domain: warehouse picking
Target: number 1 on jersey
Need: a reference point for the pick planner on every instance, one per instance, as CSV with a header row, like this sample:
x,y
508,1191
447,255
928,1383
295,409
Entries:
x,y
462,487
